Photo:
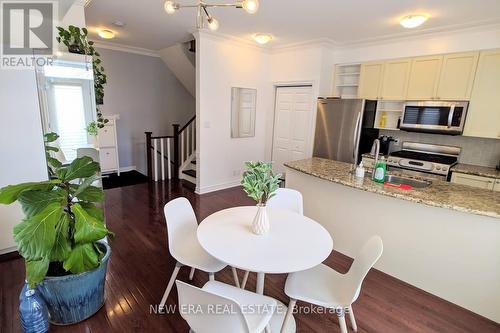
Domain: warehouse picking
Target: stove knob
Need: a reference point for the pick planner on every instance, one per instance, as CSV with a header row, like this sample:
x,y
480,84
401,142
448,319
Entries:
x,y
445,169
438,167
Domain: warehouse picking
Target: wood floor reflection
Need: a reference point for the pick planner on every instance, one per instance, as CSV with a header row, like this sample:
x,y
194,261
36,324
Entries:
x,y
140,267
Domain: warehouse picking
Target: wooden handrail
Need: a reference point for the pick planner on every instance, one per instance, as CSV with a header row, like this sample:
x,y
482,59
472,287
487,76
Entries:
x,y
187,124
162,137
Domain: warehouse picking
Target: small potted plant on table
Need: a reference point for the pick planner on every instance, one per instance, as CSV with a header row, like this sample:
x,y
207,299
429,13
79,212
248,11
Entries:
x,y
260,183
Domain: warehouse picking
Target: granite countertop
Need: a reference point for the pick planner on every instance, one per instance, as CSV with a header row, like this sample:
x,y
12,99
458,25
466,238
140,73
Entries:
x,y
439,194
476,170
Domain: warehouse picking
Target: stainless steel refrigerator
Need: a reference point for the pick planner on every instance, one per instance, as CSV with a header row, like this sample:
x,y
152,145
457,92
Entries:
x,y
338,128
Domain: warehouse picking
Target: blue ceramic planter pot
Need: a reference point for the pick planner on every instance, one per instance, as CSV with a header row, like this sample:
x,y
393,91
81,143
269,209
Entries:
x,y
73,298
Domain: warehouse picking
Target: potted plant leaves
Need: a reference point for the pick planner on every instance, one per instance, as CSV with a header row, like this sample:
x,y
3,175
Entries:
x,y
260,184
61,237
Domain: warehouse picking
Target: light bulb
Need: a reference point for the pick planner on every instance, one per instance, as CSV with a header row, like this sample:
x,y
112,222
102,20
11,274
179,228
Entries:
x,y
106,34
170,7
251,6
213,24
413,21
262,38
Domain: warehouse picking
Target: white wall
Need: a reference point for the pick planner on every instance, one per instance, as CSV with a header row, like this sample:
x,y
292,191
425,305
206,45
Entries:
x,y
220,66
466,40
147,96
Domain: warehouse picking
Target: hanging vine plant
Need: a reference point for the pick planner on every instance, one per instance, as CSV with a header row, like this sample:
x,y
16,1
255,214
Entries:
x,y
76,40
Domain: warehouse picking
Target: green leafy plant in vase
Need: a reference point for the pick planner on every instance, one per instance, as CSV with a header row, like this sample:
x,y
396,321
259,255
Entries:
x,y
62,228
260,183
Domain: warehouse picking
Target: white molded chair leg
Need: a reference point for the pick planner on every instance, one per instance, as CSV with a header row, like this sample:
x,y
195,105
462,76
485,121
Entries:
x,y
211,276
351,317
235,277
178,266
288,315
191,273
245,279
341,315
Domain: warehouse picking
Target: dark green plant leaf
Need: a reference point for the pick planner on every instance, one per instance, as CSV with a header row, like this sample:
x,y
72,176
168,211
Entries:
x,y
50,148
51,137
62,246
82,258
9,194
35,236
82,167
34,201
36,271
92,210
92,194
87,228
54,162
86,183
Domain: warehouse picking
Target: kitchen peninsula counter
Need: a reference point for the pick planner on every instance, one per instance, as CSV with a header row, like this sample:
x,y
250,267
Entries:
x,y
439,194
435,238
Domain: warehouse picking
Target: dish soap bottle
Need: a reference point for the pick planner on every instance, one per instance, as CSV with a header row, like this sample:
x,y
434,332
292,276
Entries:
x,y
380,170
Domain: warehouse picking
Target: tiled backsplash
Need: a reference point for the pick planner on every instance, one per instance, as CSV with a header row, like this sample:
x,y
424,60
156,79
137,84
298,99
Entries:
x,y
477,151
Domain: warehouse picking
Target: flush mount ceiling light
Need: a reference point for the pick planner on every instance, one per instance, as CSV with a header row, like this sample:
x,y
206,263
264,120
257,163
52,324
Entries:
x,y
262,38
106,34
250,6
413,21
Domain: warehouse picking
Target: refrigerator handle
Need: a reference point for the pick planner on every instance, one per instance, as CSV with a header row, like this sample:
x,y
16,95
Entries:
x,y
355,139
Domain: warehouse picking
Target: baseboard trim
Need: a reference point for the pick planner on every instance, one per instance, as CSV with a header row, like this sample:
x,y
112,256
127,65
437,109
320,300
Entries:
x,y
217,187
123,169
8,250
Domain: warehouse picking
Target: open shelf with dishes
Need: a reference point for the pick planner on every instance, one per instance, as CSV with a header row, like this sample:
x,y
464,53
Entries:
x,y
388,115
346,80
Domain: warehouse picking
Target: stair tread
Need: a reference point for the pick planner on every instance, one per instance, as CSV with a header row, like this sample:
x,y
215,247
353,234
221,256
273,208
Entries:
x,y
191,173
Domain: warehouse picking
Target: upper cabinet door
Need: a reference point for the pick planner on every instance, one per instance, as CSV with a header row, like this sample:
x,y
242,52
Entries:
x,y
457,76
483,116
424,77
369,80
395,80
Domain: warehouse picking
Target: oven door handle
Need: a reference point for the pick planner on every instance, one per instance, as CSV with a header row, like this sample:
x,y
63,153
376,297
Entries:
x,y
450,115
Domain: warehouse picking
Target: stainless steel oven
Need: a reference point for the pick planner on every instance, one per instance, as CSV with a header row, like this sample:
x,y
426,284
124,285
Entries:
x,y
446,117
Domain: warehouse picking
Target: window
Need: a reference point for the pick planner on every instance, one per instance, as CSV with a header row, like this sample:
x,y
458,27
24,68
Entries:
x,y
69,118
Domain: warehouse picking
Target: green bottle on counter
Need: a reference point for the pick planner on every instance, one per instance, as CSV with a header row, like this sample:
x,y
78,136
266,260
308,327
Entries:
x,y
380,170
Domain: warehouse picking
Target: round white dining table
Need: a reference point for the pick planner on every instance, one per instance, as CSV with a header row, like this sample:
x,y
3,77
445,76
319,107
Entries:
x,y
294,243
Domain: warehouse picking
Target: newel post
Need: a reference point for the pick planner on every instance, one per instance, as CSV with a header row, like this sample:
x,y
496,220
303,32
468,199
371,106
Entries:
x,y
176,151
148,154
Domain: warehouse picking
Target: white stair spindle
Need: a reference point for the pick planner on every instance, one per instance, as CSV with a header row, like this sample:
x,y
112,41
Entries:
x,y
182,147
155,152
162,156
169,173
193,130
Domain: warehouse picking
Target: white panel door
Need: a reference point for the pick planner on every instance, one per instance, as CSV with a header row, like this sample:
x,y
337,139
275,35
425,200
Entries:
x,y
292,125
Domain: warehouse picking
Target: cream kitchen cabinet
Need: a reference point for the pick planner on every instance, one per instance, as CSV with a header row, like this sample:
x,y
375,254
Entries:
x,y
424,78
483,116
395,80
370,79
473,180
457,76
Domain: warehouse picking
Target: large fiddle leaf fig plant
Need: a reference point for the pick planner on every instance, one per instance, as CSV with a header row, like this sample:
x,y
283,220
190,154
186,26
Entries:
x,y
259,182
62,221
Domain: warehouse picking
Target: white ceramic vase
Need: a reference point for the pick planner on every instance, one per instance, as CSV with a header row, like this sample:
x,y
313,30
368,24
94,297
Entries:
x,y
260,225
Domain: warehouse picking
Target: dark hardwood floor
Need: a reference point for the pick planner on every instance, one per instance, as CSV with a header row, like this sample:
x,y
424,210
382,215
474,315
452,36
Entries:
x,y
140,267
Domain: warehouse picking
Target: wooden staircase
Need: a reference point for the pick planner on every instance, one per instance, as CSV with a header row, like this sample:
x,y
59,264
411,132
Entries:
x,y
173,156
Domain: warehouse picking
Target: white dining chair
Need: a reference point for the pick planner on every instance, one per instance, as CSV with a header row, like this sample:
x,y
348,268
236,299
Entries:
x,y
221,308
323,286
184,246
285,198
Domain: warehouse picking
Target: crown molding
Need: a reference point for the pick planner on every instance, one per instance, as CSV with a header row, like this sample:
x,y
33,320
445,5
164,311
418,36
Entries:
x,y
225,37
477,26
317,42
127,48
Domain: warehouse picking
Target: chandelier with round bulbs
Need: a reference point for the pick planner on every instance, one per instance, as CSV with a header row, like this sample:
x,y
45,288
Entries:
x,y
204,17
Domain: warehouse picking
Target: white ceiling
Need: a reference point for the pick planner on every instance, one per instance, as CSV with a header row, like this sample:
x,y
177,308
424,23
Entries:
x,y
290,21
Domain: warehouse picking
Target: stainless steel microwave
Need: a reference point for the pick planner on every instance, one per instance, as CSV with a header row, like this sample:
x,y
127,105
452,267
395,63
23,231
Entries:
x,y
445,117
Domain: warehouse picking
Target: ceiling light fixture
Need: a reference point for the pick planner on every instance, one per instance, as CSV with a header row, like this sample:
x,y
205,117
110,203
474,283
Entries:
x,y
413,21
262,38
203,17
106,34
